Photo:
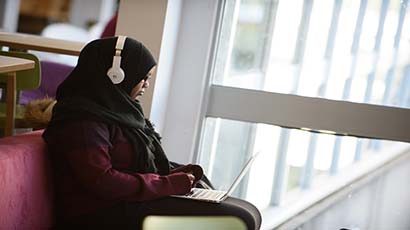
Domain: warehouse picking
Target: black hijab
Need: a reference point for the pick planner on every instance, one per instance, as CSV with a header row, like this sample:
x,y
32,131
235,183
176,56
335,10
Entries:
x,y
88,94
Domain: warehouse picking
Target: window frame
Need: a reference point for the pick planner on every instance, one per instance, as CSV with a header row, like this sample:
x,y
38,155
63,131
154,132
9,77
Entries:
x,y
199,29
201,98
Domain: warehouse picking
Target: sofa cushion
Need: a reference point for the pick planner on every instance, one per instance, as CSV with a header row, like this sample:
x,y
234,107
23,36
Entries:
x,y
26,200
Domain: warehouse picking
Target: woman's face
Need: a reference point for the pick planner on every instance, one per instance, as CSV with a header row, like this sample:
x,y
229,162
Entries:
x,y
139,89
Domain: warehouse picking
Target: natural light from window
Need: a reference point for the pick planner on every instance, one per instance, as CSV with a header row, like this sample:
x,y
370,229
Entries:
x,y
340,50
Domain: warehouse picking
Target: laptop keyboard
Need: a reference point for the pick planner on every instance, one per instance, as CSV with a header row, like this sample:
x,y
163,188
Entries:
x,y
206,194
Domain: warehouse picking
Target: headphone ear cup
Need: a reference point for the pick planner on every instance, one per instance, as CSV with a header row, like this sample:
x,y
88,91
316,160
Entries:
x,y
116,75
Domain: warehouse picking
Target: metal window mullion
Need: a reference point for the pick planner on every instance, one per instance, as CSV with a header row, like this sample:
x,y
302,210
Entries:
x,y
392,70
227,68
376,144
302,32
404,92
322,89
372,75
272,13
292,111
358,150
226,46
358,28
224,39
330,44
334,165
250,146
333,29
349,81
279,180
307,173
308,170
389,78
354,49
270,28
212,154
378,39
407,94
403,10
380,28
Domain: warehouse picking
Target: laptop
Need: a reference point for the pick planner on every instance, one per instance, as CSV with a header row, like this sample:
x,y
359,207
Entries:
x,y
217,196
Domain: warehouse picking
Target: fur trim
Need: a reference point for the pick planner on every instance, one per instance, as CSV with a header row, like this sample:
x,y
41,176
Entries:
x,y
38,112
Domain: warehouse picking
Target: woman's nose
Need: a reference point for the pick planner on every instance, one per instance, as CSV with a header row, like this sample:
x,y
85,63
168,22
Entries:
x,y
146,84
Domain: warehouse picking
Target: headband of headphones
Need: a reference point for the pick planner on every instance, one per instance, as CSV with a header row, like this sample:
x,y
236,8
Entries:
x,y
115,73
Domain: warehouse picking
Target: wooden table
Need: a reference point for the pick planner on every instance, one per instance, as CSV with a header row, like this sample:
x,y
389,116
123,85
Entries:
x,y
39,43
10,65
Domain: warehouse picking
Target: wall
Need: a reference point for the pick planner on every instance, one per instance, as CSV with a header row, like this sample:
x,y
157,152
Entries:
x,y
384,203
166,66
144,20
83,12
9,15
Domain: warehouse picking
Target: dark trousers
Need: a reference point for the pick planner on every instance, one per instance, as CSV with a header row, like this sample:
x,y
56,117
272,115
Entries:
x,y
131,215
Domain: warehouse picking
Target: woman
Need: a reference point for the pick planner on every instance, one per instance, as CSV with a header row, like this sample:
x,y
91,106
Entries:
x,y
110,169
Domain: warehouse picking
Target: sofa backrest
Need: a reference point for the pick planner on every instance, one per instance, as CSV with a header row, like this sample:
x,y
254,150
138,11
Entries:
x,y
52,74
26,194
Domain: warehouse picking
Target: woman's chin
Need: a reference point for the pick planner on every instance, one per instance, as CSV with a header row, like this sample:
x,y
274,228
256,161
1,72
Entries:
x,y
138,97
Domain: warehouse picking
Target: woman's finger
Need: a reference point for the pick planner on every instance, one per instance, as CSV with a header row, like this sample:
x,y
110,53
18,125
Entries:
x,y
191,178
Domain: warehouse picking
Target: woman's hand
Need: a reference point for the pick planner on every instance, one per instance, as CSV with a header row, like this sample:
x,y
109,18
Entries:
x,y
194,170
191,178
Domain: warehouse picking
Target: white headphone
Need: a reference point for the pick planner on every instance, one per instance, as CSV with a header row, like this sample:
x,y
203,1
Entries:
x,y
115,73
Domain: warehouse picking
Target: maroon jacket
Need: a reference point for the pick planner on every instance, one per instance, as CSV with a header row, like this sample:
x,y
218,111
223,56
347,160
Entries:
x,y
92,163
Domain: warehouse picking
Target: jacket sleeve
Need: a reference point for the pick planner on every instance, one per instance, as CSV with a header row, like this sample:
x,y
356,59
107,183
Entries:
x,y
196,170
89,159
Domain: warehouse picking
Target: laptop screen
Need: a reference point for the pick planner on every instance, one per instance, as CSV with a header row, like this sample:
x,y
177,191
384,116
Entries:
x,y
242,173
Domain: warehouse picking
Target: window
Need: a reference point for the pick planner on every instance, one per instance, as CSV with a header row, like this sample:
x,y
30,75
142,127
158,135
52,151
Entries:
x,y
282,77
287,76
343,50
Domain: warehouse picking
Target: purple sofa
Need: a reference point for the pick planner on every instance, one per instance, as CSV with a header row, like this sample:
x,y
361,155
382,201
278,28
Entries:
x,y
52,74
26,200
